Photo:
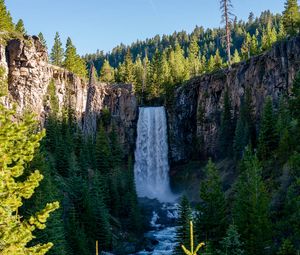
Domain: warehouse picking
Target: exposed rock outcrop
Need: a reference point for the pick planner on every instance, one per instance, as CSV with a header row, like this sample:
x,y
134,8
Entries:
x,y
194,117
25,63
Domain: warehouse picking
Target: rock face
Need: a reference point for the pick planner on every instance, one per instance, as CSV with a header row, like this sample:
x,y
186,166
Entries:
x,y
194,117
29,74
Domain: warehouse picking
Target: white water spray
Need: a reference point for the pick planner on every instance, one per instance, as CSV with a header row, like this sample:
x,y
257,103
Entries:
x,y
151,166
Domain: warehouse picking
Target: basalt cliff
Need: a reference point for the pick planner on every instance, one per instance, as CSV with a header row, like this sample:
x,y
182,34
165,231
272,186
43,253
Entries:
x,y
194,116
25,67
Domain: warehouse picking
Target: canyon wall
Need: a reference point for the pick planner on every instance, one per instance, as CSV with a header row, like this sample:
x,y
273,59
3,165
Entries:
x,y
28,74
194,116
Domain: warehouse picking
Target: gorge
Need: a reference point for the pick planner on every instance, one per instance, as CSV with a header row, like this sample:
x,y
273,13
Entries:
x,y
193,115
188,125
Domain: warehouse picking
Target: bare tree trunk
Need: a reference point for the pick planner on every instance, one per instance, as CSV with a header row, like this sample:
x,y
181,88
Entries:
x,y
227,28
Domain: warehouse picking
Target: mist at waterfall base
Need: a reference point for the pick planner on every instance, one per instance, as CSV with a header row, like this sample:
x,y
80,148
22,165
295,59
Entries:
x,y
151,168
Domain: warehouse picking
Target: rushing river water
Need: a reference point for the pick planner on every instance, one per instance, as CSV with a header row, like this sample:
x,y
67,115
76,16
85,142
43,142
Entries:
x,y
163,235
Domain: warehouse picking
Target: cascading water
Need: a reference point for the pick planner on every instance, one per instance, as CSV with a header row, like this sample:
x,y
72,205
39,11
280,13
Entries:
x,y
151,170
151,166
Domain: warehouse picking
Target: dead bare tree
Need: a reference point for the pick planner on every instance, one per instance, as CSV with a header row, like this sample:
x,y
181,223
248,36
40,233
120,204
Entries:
x,y
226,7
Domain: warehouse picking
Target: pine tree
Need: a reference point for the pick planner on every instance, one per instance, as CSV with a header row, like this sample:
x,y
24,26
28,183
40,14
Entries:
x,y
291,17
18,147
254,45
231,244
287,248
72,61
97,226
107,73
281,32
193,57
211,214
6,23
226,5
267,140
211,64
128,76
245,132
178,65
236,57
57,52
269,37
103,152
42,40
227,128
218,60
116,150
20,27
246,47
183,231
251,206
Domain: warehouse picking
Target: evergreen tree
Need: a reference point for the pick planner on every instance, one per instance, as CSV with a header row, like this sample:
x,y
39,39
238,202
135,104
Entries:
x,y
246,47
193,57
245,132
20,27
6,23
116,150
231,244
97,224
287,248
267,140
42,40
251,207
211,64
103,152
291,17
227,128
107,73
211,216
57,52
18,147
236,57
72,61
269,37
128,76
281,31
178,65
218,60
183,231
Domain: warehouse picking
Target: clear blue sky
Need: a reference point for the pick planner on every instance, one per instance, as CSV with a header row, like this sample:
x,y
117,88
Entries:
x,y
103,24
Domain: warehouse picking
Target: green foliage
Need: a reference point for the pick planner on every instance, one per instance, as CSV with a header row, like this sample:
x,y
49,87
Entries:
x,y
245,129
18,145
183,222
3,82
57,51
20,28
251,207
42,40
227,127
211,213
287,248
231,244
73,61
6,23
291,17
103,152
267,140
107,73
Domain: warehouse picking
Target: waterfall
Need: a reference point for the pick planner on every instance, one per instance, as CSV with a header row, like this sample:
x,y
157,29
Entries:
x,y
151,166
